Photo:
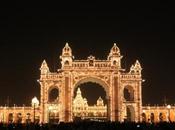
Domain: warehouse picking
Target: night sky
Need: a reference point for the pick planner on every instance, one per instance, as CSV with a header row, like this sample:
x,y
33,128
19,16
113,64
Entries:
x,y
30,34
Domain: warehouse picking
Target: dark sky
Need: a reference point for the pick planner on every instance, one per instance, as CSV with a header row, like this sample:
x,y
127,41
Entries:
x,y
29,34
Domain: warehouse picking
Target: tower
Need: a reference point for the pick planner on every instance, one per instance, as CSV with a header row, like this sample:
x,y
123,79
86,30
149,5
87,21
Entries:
x,y
114,56
66,57
132,93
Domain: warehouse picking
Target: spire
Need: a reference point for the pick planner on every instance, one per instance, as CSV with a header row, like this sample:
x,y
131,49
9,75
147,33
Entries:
x,y
132,67
137,65
78,95
44,64
44,68
78,91
78,98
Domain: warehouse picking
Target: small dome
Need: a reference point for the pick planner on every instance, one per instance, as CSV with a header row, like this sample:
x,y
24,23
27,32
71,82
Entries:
x,y
115,50
67,51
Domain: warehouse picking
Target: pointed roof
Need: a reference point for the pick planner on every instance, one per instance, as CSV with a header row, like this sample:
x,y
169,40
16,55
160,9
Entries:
x,y
100,101
100,98
78,91
137,65
44,64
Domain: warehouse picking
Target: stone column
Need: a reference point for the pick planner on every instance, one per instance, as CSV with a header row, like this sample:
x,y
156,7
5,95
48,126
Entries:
x,y
116,99
108,108
67,99
42,102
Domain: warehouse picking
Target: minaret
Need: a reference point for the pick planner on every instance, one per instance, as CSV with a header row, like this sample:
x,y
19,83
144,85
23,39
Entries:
x,y
44,68
66,57
114,56
136,68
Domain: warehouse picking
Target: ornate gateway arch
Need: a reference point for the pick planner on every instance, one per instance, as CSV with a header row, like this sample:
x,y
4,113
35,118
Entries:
x,y
60,102
123,89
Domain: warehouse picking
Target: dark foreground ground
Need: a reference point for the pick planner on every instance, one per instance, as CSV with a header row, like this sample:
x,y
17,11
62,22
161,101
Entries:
x,y
90,126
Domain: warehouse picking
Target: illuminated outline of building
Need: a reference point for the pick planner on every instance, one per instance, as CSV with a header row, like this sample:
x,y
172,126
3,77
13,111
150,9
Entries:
x,y
123,91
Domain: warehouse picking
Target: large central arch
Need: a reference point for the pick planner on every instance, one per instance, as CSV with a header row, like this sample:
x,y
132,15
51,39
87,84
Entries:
x,y
96,80
93,80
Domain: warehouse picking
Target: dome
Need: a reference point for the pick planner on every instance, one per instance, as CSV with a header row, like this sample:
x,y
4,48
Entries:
x,y
115,50
67,51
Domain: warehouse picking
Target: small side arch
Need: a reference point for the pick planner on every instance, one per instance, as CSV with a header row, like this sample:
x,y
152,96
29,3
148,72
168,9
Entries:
x,y
19,118
28,118
144,117
130,113
53,94
128,93
10,117
152,117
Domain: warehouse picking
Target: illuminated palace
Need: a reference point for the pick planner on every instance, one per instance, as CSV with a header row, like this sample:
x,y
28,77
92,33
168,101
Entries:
x,y
123,93
83,110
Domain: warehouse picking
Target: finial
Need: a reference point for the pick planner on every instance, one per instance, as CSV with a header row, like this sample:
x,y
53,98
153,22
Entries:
x,y
67,44
44,62
44,67
78,91
137,64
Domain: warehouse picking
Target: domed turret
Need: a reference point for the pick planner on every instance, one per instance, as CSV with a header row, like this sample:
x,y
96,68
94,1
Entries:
x,y
115,51
114,56
67,51
66,57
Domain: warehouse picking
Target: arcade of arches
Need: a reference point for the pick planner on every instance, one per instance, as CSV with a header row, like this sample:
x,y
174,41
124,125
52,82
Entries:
x,y
58,102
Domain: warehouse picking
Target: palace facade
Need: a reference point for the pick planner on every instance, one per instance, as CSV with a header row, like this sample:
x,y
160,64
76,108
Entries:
x,y
123,93
84,111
